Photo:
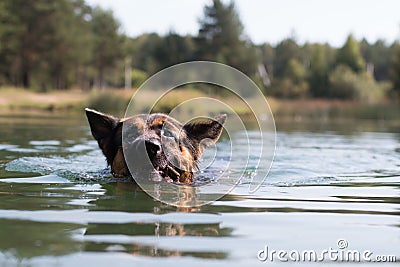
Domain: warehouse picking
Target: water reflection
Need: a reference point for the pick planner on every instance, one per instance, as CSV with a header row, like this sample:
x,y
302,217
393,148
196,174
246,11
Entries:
x,y
57,207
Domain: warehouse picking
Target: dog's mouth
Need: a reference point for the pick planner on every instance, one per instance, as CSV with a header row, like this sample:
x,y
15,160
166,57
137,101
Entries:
x,y
174,175
169,173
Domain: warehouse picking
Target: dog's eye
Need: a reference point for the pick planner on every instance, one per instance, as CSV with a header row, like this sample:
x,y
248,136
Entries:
x,y
167,133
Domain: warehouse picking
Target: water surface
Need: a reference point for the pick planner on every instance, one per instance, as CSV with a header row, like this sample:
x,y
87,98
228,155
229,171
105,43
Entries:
x,y
60,207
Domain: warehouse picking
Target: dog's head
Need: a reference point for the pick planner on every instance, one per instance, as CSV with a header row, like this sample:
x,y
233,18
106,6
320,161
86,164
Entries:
x,y
172,149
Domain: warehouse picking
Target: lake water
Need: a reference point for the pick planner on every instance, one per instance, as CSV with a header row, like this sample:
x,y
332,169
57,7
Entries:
x,y
332,187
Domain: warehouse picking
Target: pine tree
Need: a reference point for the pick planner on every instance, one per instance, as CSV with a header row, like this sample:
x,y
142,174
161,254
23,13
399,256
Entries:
x,y
107,43
319,66
221,38
350,55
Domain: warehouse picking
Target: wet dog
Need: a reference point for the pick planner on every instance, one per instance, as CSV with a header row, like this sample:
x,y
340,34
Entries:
x,y
172,149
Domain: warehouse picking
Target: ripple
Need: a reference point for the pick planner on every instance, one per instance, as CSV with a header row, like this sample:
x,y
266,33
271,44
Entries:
x,y
45,179
45,143
84,216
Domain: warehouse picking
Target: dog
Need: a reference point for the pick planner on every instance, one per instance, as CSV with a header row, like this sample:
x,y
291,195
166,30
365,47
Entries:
x,y
173,149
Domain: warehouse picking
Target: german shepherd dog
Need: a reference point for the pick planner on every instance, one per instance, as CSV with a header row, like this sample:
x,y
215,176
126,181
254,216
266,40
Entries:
x,y
173,149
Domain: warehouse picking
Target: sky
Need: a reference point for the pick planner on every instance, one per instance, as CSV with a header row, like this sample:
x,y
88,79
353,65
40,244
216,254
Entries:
x,y
268,21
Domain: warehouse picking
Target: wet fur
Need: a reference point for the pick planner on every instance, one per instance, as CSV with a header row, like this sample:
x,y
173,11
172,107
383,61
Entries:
x,y
181,145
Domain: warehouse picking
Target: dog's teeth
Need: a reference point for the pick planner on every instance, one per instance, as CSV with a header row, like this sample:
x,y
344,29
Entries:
x,y
157,168
168,180
173,171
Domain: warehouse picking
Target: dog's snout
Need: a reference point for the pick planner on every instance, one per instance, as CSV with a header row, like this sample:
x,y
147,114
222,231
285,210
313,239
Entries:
x,y
153,147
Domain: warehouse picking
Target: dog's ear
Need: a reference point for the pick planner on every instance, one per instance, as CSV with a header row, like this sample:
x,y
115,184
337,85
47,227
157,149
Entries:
x,y
101,124
206,132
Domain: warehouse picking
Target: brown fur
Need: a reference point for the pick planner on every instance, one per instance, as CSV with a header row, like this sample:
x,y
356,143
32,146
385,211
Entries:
x,y
172,148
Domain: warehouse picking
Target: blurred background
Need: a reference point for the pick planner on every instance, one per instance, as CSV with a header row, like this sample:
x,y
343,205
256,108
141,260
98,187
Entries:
x,y
311,59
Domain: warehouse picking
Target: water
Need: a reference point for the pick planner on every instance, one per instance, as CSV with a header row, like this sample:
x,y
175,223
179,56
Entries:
x,y
329,182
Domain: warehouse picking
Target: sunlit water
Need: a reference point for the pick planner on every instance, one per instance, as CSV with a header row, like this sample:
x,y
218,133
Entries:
x,y
60,207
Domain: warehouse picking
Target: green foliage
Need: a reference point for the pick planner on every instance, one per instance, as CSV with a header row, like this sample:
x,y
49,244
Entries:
x,y
221,38
294,82
350,55
107,43
296,71
284,52
174,49
346,84
287,88
395,69
220,27
138,78
106,102
320,64
144,48
47,45
268,57
151,52
379,55
56,44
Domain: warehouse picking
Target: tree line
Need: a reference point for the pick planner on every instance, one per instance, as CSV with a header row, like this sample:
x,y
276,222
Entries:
x,y
57,44
46,45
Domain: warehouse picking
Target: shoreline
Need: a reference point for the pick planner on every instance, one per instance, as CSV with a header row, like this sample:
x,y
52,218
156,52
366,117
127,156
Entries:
x,y
21,101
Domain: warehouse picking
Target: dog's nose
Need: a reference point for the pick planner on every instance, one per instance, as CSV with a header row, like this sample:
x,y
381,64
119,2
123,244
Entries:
x,y
153,147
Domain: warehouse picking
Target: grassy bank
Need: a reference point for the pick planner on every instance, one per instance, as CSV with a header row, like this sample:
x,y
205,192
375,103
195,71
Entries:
x,y
15,99
21,100
115,101
111,101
